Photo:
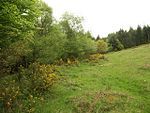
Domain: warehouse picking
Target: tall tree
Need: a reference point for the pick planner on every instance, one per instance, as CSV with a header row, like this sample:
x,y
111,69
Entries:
x,y
139,35
114,43
45,19
71,25
146,34
131,37
17,27
97,38
17,20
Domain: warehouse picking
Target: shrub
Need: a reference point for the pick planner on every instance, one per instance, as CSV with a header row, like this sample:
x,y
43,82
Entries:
x,y
72,61
38,78
102,46
18,92
95,57
50,48
9,95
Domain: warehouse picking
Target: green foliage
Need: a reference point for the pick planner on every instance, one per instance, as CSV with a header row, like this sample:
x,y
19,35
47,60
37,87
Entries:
x,y
17,19
97,38
17,27
71,24
44,22
18,94
114,43
14,56
39,78
102,46
130,38
9,95
80,46
78,42
49,48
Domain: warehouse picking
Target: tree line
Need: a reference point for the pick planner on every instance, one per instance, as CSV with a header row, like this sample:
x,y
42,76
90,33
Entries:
x,y
126,39
29,33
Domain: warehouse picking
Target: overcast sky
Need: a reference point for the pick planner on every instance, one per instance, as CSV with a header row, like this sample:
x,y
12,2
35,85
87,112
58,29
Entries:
x,y
105,16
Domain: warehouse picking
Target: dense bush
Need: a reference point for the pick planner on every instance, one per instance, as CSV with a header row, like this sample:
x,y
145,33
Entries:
x,y
9,95
78,42
15,95
39,77
95,57
49,48
102,46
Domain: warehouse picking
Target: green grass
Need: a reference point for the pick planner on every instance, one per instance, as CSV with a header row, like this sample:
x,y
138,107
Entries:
x,y
119,85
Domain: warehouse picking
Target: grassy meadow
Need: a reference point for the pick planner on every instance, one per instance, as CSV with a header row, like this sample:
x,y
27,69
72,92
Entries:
x,y
118,84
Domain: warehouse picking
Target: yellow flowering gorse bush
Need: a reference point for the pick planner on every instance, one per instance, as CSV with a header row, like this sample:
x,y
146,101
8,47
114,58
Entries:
x,y
26,88
96,57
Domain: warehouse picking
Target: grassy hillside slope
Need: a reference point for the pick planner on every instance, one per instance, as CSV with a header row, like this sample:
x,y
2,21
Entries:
x,y
120,84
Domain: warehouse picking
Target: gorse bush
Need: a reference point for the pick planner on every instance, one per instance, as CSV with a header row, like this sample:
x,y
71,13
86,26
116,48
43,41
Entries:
x,y
102,46
42,78
37,78
67,62
18,94
9,96
95,57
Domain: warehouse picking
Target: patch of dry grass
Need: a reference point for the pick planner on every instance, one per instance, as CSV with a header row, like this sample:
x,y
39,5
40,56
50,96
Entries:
x,y
100,102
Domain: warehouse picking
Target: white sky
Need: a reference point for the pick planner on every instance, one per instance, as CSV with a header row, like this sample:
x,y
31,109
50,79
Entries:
x,y
105,16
